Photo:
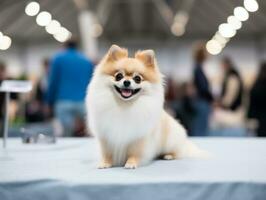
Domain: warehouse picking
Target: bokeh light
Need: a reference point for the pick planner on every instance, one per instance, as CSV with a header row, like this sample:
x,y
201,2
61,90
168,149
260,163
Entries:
x,y
178,29
251,5
226,30
32,8
234,22
62,35
5,42
43,18
53,27
241,14
96,30
213,47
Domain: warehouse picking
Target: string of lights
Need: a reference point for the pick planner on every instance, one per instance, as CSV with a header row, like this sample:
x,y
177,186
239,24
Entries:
x,y
5,41
228,30
44,19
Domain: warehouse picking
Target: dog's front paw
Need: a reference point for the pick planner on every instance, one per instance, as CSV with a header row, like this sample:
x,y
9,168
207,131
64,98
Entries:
x,y
168,157
104,165
131,163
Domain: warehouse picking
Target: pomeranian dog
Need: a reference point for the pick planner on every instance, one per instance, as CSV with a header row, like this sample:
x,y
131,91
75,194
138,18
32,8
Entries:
x,y
125,111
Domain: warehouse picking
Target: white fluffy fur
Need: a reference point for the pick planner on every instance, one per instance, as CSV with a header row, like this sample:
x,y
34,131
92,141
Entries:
x,y
122,122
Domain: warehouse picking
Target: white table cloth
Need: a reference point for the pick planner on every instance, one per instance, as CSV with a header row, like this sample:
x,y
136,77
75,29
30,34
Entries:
x,y
68,170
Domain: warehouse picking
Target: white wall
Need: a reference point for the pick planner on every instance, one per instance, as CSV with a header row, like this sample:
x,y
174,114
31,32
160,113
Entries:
x,y
14,59
174,57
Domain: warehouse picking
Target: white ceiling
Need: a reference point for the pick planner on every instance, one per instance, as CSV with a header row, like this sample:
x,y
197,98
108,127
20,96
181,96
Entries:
x,y
129,18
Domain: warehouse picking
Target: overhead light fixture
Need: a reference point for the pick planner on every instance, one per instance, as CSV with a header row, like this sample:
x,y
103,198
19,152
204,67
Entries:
x,y
96,30
234,22
213,47
226,30
178,29
5,42
181,17
241,13
251,5
53,27
62,35
222,40
43,18
32,8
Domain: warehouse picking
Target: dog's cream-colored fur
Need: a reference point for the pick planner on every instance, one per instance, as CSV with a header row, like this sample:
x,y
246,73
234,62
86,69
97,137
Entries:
x,y
133,131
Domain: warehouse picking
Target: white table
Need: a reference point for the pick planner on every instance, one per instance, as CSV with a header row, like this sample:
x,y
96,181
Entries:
x,y
6,87
68,170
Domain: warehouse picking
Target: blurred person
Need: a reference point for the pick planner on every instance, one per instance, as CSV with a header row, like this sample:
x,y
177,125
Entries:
x,y
68,79
229,110
170,96
232,87
36,109
186,112
13,96
43,83
204,98
257,107
2,96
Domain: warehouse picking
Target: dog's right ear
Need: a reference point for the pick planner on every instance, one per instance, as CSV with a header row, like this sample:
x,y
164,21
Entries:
x,y
115,53
147,57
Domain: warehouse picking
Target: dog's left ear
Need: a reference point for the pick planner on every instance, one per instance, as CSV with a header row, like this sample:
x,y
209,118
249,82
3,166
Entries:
x,y
147,57
115,53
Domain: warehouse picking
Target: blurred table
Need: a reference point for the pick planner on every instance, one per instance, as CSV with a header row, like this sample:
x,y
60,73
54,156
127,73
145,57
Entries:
x,y
68,170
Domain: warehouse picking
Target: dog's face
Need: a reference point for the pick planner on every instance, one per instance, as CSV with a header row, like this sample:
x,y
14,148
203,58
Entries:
x,y
129,78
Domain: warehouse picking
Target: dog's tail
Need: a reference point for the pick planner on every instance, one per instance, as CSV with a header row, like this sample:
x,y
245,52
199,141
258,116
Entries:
x,y
191,150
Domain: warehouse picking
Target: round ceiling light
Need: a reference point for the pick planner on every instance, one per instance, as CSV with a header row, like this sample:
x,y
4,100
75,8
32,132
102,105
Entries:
x,y
213,47
53,27
43,18
96,30
241,13
62,35
234,22
251,5
5,42
226,30
32,8
178,29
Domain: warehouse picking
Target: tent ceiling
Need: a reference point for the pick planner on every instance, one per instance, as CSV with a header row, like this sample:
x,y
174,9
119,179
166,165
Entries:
x,y
129,18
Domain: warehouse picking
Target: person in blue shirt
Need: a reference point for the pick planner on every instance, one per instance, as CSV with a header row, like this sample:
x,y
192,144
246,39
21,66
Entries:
x,y
69,75
204,97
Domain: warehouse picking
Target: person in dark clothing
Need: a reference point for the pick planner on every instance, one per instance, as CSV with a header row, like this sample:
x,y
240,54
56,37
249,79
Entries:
x,y
232,87
2,99
13,96
36,107
186,113
204,97
257,107
228,112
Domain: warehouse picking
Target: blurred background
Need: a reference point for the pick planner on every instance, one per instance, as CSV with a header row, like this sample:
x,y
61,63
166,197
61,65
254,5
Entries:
x,y
212,54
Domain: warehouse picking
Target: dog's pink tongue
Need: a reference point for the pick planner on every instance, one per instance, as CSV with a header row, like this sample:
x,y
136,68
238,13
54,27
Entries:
x,y
126,93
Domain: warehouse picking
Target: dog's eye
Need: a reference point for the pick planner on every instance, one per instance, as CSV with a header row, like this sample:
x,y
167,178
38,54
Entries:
x,y
118,76
137,79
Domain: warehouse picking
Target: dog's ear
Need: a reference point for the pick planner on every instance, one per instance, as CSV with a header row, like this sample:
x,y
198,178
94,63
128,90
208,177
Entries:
x,y
147,57
115,53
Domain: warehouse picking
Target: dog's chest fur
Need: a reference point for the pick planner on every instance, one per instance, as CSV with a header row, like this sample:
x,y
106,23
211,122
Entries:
x,y
125,122
121,123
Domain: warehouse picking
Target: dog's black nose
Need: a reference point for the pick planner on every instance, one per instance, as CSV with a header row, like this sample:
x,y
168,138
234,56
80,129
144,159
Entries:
x,y
126,83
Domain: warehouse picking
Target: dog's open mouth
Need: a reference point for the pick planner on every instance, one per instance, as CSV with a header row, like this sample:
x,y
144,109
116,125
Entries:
x,y
126,92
